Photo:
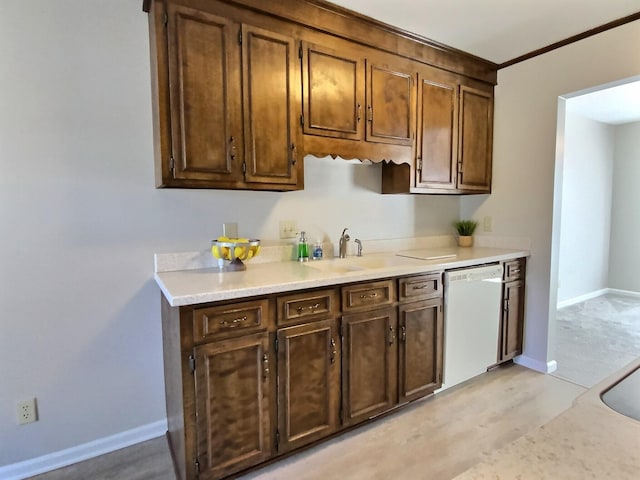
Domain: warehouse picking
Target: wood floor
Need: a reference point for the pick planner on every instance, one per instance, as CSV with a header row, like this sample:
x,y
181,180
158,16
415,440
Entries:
x,y
436,438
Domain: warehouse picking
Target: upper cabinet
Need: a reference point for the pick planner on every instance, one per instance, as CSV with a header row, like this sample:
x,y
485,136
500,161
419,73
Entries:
x,y
244,89
454,138
232,102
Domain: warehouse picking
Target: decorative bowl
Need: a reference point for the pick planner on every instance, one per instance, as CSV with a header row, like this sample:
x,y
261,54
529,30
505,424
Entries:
x,y
233,251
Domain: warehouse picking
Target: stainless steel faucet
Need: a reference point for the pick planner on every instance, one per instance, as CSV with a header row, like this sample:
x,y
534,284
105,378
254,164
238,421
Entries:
x,y
344,241
359,243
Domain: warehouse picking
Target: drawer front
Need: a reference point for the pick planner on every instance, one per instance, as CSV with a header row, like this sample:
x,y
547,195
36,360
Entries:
x,y
514,270
305,307
225,321
365,295
420,287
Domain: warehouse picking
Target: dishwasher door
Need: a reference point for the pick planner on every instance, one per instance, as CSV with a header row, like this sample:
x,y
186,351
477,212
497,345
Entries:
x,y
472,301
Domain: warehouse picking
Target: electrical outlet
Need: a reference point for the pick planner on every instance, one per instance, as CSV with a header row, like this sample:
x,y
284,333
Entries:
x,y
487,224
288,229
26,411
230,229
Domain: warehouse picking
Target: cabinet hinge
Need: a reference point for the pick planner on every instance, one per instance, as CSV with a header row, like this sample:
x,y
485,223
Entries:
x,y
244,168
277,438
172,163
275,345
300,52
341,415
439,377
165,19
240,36
302,120
440,308
419,164
196,466
192,363
342,331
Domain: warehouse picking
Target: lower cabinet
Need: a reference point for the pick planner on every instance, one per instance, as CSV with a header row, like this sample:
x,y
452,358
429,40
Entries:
x,y
369,380
512,324
252,379
232,405
308,383
421,339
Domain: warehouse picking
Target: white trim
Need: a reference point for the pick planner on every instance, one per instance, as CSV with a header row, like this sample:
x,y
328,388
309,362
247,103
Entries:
x,y
626,293
62,458
597,293
583,298
537,365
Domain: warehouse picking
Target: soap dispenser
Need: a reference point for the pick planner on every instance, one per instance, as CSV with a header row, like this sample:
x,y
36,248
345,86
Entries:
x,y
303,248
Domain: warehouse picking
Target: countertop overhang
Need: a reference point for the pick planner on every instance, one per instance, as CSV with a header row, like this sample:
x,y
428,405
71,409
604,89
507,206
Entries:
x,y
204,285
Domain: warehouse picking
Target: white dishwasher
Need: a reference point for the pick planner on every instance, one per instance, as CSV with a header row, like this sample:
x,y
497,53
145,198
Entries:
x,y
472,301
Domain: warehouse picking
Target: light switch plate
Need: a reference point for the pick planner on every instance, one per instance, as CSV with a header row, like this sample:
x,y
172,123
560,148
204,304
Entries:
x,y
288,229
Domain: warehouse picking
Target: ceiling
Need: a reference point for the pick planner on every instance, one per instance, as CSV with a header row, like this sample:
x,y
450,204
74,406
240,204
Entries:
x,y
502,30
496,30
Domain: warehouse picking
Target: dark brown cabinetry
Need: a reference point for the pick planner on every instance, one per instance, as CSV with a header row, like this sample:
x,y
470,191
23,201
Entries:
x,y
232,404
512,324
244,89
309,369
228,116
421,336
252,379
454,139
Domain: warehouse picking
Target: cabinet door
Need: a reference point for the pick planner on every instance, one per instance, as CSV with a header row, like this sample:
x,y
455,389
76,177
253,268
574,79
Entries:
x,y
390,105
308,383
204,74
512,319
437,146
271,76
369,364
475,142
333,90
232,405
420,330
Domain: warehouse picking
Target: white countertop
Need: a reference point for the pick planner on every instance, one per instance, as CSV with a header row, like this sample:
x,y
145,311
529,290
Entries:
x,y
202,285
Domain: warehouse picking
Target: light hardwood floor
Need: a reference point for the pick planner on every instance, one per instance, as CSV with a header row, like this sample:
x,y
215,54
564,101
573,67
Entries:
x,y
435,438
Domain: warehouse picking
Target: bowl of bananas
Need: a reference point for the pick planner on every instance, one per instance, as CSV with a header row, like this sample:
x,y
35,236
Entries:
x,y
232,252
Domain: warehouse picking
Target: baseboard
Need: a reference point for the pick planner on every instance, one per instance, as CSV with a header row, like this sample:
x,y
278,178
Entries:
x,y
583,298
626,293
69,456
537,365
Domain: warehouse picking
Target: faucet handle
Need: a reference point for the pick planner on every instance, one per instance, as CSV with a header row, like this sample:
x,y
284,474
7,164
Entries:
x,y
359,243
344,231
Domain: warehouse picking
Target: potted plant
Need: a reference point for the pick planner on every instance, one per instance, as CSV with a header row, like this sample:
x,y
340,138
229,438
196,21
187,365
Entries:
x,y
465,229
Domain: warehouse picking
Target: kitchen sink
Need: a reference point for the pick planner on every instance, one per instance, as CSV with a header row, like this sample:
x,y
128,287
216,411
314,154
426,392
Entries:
x,y
333,266
356,264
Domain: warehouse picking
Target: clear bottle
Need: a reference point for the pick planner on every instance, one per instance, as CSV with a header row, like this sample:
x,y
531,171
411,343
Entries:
x,y
303,248
317,251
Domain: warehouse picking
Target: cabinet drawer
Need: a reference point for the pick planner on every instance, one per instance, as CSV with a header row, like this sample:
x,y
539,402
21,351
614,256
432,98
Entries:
x,y
514,270
420,287
365,295
308,306
225,321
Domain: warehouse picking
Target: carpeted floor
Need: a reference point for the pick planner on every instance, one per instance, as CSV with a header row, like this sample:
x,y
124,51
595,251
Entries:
x,y
597,337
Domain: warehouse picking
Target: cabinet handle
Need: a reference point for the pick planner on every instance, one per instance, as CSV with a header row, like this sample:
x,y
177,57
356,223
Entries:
x,y
514,271
404,333
233,322
505,305
370,108
333,351
359,110
310,307
421,287
294,154
265,365
371,295
392,336
232,149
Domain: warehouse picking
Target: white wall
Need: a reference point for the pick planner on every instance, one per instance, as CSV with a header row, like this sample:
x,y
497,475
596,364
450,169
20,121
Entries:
x,y
526,110
81,219
589,148
625,228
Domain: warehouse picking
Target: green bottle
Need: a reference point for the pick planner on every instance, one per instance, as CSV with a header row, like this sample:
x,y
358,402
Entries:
x,y
303,248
